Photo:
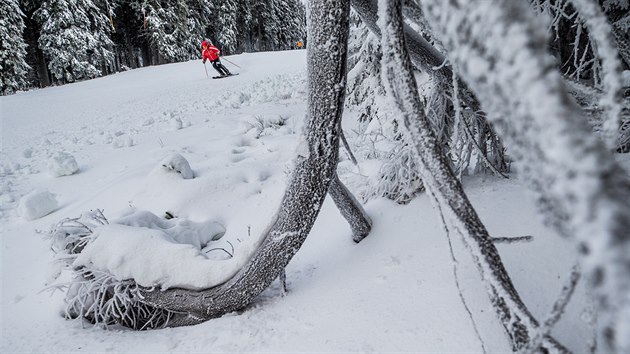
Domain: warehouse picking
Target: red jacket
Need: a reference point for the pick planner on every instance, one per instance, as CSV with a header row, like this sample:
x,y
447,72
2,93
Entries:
x,y
210,53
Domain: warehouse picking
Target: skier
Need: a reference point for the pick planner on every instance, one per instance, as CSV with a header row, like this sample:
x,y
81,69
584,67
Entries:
x,y
211,53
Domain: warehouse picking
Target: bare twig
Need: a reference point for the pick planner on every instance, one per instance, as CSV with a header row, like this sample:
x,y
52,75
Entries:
x,y
556,312
526,238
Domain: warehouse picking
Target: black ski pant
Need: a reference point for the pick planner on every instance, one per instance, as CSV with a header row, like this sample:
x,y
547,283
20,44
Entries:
x,y
216,64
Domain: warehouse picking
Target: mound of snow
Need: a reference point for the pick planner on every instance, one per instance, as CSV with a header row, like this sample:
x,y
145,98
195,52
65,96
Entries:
x,y
160,252
122,141
179,164
36,204
62,164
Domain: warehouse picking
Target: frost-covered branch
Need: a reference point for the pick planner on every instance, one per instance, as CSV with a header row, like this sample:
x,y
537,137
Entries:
x,y
442,183
526,238
576,178
556,311
601,34
344,141
351,209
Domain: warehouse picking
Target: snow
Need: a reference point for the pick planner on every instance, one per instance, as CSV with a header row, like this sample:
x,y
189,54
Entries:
x,y
61,164
36,204
394,291
178,164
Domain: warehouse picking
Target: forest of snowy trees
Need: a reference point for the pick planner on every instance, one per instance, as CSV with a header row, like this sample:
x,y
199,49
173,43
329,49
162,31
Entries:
x,y
48,42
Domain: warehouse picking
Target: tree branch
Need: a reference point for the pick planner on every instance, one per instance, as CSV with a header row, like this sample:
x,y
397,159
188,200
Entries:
x,y
548,133
351,209
446,189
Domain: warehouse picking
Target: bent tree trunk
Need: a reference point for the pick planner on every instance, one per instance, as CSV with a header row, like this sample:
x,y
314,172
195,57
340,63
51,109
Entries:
x,y
446,190
314,170
577,180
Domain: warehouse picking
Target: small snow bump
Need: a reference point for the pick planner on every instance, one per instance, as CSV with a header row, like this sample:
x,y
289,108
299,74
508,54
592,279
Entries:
x,y
36,204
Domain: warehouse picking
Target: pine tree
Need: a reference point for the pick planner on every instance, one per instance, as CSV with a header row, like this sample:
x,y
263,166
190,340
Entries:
x,y
13,67
227,35
67,39
180,26
290,23
155,31
201,12
258,25
98,12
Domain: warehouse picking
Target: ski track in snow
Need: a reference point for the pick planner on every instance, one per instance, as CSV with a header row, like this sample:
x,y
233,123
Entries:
x,y
392,292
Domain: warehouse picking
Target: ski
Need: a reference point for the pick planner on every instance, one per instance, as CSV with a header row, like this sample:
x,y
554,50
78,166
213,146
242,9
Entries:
x,y
223,77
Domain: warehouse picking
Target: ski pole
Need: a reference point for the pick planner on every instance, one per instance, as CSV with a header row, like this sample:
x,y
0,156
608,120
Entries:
x,y
231,63
205,67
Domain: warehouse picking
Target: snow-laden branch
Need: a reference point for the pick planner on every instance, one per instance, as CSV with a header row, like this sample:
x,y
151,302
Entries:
x,y
499,48
445,188
601,34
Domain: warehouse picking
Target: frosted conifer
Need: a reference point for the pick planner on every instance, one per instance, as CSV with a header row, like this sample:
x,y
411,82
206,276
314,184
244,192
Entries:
x,y
13,67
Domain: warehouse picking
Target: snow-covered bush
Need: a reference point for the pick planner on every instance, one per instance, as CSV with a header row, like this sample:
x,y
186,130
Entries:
x,y
110,263
36,204
398,178
178,164
95,295
62,164
262,126
122,141
176,123
70,235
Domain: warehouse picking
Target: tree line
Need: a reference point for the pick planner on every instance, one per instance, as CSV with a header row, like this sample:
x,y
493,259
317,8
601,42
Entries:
x,y
52,42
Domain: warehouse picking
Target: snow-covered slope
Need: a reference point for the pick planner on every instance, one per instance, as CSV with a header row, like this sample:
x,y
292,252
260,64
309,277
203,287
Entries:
x,y
395,291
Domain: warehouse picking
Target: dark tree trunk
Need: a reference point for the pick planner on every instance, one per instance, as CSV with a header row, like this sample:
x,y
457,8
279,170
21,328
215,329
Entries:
x,y
42,70
35,56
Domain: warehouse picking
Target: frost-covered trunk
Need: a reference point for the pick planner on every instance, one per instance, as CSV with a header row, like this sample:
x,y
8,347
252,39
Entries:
x,y
351,209
314,171
499,48
445,188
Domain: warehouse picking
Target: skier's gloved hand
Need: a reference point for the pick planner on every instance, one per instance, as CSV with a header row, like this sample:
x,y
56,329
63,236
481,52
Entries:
x,y
204,60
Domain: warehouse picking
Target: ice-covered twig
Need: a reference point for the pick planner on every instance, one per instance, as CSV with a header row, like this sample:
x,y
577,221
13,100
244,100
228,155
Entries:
x,y
526,238
556,311
456,275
